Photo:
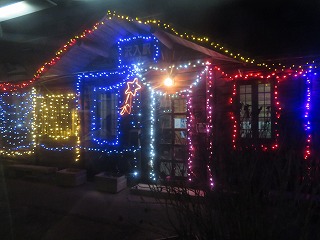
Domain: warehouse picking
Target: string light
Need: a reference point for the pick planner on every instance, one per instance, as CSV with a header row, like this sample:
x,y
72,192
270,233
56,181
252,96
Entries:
x,y
130,92
56,116
137,48
52,127
307,124
192,127
152,175
209,125
16,122
112,85
190,132
113,88
5,87
236,122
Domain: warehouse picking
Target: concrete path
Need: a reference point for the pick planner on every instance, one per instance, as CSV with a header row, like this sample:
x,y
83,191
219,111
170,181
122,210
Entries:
x,y
35,210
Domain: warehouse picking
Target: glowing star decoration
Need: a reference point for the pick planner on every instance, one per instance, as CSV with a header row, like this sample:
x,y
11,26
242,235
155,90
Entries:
x,y
130,92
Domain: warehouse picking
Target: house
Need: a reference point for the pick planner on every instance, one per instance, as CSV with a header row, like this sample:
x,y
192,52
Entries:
x,y
141,98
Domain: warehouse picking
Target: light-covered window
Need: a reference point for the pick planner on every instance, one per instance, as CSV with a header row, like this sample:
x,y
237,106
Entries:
x,y
107,115
255,110
172,136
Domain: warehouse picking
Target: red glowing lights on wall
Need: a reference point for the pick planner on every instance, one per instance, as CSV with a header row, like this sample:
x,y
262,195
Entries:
x,y
130,92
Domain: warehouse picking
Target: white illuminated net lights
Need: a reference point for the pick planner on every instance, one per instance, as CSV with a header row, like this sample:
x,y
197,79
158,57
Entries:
x,y
16,121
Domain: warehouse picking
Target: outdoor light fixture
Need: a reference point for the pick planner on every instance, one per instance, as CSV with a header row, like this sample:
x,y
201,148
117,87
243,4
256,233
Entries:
x,y
21,8
168,82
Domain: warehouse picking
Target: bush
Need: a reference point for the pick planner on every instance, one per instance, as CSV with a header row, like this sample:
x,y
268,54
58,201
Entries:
x,y
258,195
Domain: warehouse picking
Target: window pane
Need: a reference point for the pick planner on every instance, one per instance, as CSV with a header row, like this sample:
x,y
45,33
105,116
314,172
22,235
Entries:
x,y
180,122
166,137
165,169
245,111
165,152
180,153
180,137
165,121
180,106
264,111
180,169
107,115
165,105
175,169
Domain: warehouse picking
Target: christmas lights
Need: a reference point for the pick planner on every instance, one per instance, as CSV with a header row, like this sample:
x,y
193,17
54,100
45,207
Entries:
x,y
152,175
105,116
190,132
105,130
111,83
209,124
110,16
57,117
137,50
307,124
16,121
130,92
192,128
274,105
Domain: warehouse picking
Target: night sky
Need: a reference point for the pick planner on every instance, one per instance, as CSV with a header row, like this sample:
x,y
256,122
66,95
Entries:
x,y
256,29
279,28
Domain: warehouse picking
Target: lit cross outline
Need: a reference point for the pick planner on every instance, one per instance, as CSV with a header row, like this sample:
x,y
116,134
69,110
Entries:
x,y
131,91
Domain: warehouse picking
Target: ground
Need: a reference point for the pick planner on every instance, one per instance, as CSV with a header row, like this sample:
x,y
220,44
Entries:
x,y
32,209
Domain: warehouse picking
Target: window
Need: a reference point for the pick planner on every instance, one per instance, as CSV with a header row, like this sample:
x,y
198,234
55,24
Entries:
x,y
172,133
264,110
245,94
105,121
255,110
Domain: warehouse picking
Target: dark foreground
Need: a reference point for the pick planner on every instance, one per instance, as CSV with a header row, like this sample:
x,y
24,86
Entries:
x,y
38,210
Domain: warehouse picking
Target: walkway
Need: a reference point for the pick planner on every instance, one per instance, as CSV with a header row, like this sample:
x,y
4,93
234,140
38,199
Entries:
x,y
35,210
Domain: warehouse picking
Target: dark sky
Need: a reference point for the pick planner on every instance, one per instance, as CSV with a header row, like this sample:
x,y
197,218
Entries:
x,y
261,28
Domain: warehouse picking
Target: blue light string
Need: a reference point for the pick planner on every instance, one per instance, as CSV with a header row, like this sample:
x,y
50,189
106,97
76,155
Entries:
x,y
113,88
307,123
147,39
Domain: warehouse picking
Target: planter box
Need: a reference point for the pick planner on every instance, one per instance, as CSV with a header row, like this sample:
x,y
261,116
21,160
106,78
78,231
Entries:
x,y
108,183
71,177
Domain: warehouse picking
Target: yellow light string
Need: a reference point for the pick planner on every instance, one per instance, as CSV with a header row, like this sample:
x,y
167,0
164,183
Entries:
x,y
55,112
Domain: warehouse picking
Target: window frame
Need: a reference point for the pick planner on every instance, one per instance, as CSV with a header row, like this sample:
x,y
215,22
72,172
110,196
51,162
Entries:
x,y
256,138
172,136
95,129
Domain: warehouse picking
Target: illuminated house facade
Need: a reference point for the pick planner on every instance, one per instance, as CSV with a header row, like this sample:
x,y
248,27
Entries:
x,y
105,102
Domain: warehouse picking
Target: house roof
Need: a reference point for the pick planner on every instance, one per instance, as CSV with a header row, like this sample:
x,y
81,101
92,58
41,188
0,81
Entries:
x,y
99,43
77,54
